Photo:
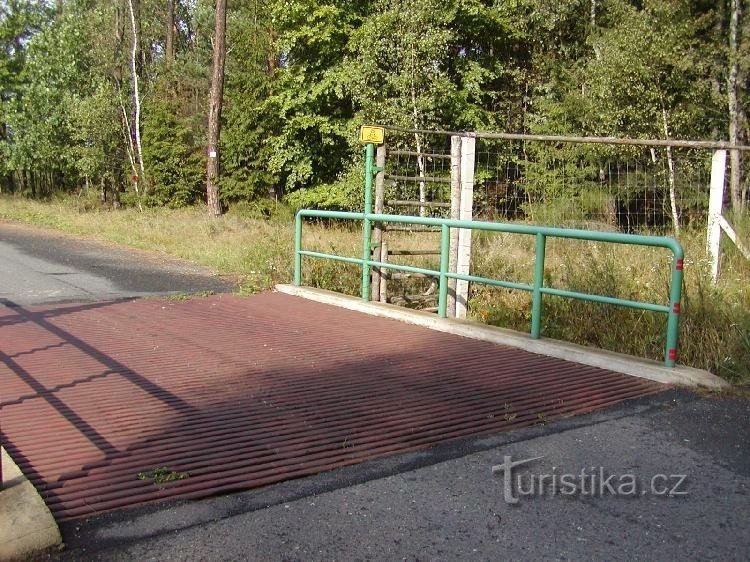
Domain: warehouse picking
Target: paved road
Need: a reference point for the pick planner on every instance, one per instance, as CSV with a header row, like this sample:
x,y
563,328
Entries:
x,y
39,267
440,504
445,503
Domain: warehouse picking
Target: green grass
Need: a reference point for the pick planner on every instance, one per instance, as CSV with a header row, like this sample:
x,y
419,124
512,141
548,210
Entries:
x,y
715,325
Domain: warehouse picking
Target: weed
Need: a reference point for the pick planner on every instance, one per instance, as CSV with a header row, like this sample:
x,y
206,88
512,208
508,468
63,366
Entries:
x,y
188,296
162,475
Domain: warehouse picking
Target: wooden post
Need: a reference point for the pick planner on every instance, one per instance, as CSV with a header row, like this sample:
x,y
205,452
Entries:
x,y
715,205
455,213
384,274
377,231
463,261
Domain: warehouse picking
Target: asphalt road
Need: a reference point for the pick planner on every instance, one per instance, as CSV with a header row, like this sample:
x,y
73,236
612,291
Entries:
x,y
38,267
444,503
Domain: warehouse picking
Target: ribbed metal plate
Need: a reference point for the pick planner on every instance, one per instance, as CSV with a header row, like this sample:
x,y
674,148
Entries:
x,y
243,392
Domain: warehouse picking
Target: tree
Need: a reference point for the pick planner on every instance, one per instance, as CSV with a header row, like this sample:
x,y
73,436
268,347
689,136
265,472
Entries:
x,y
169,33
656,87
136,68
314,142
214,111
736,110
252,63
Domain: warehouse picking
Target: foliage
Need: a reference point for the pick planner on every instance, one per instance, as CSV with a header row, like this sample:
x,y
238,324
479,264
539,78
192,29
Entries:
x,y
301,77
344,194
173,164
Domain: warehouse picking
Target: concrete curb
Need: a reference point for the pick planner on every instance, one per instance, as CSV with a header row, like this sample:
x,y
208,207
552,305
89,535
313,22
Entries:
x,y
618,362
26,524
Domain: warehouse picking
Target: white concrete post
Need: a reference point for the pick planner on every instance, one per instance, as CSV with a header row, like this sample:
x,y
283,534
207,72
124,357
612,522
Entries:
x,y
715,207
463,261
455,214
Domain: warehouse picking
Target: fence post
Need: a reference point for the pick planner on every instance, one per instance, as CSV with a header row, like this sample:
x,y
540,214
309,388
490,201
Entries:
x,y
536,295
383,297
463,260
715,206
455,215
366,222
377,231
297,248
673,316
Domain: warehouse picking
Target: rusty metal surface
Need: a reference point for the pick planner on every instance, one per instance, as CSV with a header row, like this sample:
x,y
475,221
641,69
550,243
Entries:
x,y
243,392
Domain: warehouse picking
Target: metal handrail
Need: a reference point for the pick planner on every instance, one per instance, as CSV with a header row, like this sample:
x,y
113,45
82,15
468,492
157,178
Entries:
x,y
537,287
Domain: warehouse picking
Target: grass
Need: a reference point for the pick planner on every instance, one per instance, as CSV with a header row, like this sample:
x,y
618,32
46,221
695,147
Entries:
x,y
715,324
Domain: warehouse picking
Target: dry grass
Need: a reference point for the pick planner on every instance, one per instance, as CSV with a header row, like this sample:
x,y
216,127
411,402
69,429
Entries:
x,y
715,325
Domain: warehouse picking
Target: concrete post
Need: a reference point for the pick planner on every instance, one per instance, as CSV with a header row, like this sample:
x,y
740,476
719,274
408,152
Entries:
x,y
463,262
455,215
715,207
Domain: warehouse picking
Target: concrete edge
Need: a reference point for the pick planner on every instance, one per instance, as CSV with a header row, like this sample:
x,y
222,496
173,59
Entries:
x,y
27,526
619,362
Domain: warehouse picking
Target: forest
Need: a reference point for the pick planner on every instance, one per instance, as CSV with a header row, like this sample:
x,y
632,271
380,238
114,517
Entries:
x,y
114,96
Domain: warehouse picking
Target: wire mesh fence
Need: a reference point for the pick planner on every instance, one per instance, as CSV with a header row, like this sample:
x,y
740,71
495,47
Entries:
x,y
626,188
600,186
418,170
633,186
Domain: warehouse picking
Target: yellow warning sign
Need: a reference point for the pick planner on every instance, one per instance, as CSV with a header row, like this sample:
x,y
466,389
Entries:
x,y
370,134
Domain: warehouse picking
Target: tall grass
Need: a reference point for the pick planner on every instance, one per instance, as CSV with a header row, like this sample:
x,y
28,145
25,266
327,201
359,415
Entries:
x,y
255,243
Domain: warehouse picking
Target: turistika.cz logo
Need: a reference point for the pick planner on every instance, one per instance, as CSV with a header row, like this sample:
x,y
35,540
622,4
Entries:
x,y
589,482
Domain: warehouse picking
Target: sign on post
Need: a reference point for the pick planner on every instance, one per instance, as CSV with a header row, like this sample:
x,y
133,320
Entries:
x,y
369,134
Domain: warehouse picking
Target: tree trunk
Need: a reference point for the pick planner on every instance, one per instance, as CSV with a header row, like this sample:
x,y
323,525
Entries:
x,y
169,48
135,69
420,157
735,115
214,110
670,164
592,15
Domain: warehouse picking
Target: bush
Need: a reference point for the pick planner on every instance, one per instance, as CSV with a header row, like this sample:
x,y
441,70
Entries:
x,y
346,194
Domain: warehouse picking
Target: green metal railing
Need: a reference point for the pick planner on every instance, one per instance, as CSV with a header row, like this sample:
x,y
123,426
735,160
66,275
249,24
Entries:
x,y
536,288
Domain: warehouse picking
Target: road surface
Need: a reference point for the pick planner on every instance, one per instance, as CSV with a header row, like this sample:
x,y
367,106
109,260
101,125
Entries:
x,y
38,267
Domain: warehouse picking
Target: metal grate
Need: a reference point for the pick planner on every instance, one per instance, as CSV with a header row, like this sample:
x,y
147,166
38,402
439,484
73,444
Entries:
x,y
234,393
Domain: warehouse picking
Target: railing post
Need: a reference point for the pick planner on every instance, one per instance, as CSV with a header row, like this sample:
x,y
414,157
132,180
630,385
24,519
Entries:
x,y
297,249
536,295
673,316
367,223
445,243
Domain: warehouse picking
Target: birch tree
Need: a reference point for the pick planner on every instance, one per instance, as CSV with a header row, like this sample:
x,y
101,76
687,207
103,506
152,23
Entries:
x,y
652,87
136,65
